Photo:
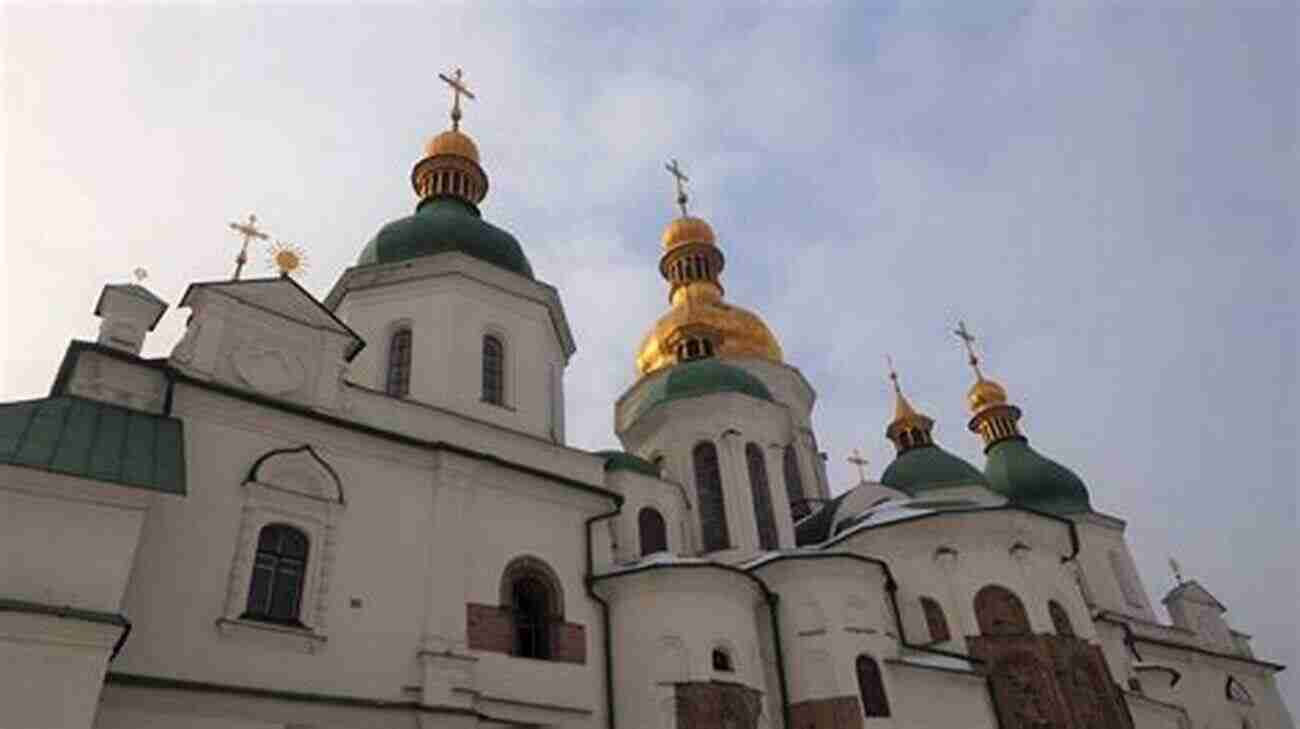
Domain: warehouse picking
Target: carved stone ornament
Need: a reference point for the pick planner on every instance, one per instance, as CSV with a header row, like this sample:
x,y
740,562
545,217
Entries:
x,y
272,371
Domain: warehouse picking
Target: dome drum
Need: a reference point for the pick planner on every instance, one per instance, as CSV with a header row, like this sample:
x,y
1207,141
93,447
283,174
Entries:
x,y
450,174
690,263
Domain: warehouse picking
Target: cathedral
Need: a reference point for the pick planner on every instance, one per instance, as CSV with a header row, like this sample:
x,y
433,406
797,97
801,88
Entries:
x,y
361,511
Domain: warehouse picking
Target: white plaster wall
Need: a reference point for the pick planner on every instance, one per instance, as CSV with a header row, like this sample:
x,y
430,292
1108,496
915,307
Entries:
x,y
420,535
665,624
449,316
52,670
65,540
640,491
1098,537
730,421
1202,690
915,703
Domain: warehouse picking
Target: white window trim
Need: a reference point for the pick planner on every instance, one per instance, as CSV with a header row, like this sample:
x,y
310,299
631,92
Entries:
x,y
297,488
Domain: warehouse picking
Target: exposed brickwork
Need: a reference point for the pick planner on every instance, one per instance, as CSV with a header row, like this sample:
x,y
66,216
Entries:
x,y
489,628
492,628
1051,681
839,712
714,704
569,643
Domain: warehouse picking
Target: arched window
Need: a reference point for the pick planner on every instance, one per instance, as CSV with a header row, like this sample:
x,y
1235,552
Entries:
x,y
708,490
531,591
871,687
1000,612
397,381
652,530
794,484
722,660
279,571
1060,618
494,368
935,619
767,536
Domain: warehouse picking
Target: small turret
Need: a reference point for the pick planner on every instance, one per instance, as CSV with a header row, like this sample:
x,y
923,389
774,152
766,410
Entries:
x,y
129,312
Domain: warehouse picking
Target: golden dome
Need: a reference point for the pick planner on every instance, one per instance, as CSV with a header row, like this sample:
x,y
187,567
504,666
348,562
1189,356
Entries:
x,y
698,308
687,229
453,142
903,410
985,394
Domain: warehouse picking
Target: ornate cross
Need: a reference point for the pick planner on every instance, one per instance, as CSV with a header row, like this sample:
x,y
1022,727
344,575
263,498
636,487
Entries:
x,y
679,177
458,87
893,375
248,231
1177,569
969,340
857,460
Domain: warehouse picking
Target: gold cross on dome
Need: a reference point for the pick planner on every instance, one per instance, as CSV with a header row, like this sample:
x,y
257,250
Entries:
x,y
248,231
679,177
969,340
857,460
458,87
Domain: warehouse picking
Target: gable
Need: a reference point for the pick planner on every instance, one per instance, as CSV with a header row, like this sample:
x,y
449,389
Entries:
x,y
280,296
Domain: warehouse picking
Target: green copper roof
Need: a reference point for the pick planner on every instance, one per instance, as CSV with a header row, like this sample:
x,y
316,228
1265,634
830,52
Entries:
x,y
698,378
929,467
442,225
620,461
1029,479
94,440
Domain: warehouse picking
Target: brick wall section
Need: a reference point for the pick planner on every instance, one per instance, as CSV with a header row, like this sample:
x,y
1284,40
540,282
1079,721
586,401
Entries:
x,y
492,628
569,643
714,704
839,712
489,628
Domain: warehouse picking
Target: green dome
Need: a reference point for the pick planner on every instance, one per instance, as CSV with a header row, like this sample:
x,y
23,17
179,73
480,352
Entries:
x,y
620,461
929,467
444,224
698,378
1027,478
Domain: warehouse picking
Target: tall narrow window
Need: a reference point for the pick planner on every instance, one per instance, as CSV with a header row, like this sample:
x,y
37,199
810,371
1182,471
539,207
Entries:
x,y
872,688
278,575
1060,618
494,360
398,380
531,604
1000,612
767,536
794,484
652,530
708,490
935,619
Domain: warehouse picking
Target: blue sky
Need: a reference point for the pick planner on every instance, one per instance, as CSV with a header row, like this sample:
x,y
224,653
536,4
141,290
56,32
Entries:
x,y
1105,194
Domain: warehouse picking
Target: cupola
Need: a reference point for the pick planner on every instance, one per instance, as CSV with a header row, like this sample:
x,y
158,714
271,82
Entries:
x,y
921,465
699,323
1013,468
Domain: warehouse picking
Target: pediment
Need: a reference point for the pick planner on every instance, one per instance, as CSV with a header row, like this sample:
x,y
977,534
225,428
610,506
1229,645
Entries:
x,y
298,470
282,297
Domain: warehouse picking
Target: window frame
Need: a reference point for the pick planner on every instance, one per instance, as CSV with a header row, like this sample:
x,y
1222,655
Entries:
x,y
875,705
644,544
279,559
984,602
404,368
489,371
535,570
1060,619
935,618
711,500
769,535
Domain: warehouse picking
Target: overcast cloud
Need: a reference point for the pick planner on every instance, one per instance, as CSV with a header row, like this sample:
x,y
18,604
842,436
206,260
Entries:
x,y
1105,194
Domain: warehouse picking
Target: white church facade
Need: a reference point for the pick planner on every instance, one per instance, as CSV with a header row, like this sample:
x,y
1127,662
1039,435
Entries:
x,y
361,512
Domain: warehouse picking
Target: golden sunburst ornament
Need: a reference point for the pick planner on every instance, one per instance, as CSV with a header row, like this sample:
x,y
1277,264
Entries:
x,y
288,258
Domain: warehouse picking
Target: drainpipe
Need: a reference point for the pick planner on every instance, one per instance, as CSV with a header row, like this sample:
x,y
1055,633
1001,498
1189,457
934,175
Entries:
x,y
606,639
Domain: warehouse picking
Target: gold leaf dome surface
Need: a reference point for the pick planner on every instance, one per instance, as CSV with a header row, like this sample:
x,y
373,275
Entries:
x,y
985,394
687,229
454,142
740,332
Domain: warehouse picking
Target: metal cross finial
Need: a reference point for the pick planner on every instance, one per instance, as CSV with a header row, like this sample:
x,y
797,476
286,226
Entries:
x,y
249,232
893,375
458,87
1178,570
857,460
676,171
969,340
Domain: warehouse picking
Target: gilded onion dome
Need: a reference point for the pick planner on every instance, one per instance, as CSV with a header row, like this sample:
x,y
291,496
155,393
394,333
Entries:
x,y
699,322
921,465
